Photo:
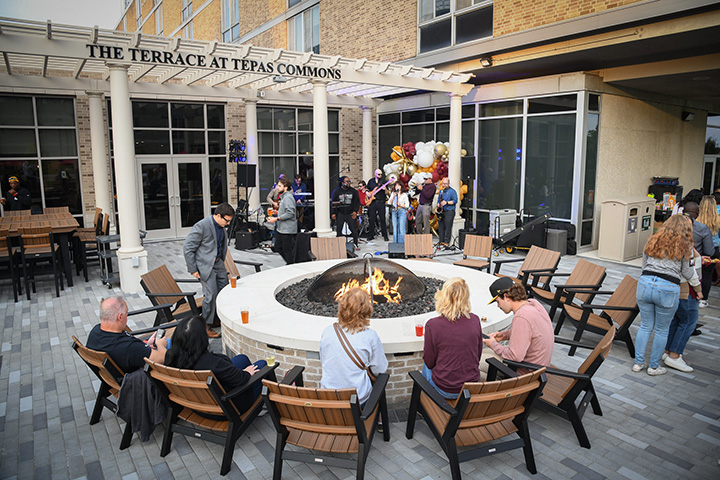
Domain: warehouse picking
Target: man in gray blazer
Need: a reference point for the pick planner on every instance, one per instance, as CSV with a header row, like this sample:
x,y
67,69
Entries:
x,y
204,249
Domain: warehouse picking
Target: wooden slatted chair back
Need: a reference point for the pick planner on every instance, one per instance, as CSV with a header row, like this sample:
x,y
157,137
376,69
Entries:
x,y
328,248
17,213
317,419
159,280
625,295
540,258
230,265
477,246
490,410
47,210
35,239
602,349
585,273
97,360
105,228
419,245
189,388
4,252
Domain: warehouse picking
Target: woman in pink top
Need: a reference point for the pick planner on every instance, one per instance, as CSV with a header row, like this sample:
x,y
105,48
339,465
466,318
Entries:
x,y
531,335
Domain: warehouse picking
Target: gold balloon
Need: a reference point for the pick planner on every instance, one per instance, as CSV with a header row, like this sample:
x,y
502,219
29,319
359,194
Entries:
x,y
411,169
463,152
393,177
440,150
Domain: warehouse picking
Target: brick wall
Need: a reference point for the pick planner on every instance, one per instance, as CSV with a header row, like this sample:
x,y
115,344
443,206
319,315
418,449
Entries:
x,y
255,13
172,16
398,389
374,29
351,133
236,130
207,25
518,15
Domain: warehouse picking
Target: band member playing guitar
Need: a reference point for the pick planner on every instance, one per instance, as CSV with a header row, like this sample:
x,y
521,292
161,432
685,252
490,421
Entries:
x,y
376,206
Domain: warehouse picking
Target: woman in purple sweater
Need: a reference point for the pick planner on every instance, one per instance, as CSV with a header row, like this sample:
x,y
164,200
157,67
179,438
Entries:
x,y
453,341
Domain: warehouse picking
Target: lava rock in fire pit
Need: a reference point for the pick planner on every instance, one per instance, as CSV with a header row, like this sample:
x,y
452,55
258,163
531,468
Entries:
x,y
294,297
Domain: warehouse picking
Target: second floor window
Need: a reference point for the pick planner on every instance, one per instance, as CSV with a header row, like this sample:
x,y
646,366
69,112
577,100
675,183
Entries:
x,y
138,13
304,31
187,9
444,23
230,21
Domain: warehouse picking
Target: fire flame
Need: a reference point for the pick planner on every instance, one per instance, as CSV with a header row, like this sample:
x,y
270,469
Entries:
x,y
379,285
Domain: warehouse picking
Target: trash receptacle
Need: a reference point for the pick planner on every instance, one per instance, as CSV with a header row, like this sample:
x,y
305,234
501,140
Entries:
x,y
625,227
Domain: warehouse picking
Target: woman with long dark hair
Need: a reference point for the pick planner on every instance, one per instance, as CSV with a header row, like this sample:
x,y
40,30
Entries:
x,y
191,350
666,259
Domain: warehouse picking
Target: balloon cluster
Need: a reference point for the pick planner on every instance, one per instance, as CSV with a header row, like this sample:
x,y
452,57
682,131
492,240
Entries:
x,y
413,162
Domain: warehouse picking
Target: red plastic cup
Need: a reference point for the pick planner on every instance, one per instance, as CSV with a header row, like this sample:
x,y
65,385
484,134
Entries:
x,y
419,328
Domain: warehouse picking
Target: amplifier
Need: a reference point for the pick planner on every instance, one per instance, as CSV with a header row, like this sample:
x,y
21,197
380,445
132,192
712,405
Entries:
x,y
396,250
246,240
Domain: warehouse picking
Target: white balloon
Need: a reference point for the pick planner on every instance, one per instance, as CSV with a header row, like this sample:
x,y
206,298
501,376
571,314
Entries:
x,y
425,159
419,146
447,144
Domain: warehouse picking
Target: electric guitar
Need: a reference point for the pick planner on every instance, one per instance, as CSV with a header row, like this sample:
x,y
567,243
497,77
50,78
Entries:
x,y
371,196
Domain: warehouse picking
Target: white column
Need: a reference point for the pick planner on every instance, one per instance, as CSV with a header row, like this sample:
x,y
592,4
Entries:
x,y
251,142
454,155
101,175
367,154
132,257
321,162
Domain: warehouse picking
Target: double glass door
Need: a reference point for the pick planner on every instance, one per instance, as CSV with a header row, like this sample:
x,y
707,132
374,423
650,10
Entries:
x,y
175,195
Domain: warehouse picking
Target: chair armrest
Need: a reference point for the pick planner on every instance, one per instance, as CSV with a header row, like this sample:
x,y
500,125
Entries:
x,y
497,366
294,376
153,329
532,271
573,343
430,391
610,307
528,365
509,260
579,289
187,280
556,274
154,308
258,376
375,395
582,288
257,265
312,256
176,294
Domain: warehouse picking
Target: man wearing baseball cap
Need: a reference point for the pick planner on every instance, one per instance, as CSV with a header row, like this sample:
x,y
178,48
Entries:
x,y
530,336
17,197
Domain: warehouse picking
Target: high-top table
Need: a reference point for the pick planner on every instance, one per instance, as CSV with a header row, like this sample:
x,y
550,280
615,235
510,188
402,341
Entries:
x,y
62,225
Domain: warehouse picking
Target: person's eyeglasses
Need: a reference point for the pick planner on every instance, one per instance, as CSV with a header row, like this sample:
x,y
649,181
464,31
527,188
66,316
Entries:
x,y
227,220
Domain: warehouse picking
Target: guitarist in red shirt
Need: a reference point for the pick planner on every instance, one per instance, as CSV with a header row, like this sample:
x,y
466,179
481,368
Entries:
x,y
376,204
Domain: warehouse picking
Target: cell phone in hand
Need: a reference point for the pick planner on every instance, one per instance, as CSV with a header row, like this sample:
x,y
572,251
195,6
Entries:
x,y
485,337
160,333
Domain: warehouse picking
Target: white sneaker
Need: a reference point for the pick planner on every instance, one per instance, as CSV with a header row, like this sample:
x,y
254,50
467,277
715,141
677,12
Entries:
x,y
665,355
638,367
656,371
678,364
702,304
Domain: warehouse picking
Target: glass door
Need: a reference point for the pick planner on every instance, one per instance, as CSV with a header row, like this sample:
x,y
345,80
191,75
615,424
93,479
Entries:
x,y
174,195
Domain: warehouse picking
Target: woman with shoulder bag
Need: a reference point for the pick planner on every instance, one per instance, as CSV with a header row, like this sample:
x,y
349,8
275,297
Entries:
x,y
350,351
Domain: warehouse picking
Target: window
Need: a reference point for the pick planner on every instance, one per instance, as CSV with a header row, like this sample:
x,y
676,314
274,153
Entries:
x,y
38,140
285,145
443,23
304,31
159,20
187,11
231,20
138,13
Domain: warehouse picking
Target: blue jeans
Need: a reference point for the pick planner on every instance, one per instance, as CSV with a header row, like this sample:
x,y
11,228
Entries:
x,y
427,373
242,362
682,325
399,221
657,300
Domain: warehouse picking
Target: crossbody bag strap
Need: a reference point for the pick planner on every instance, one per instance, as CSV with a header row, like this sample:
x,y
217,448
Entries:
x,y
348,348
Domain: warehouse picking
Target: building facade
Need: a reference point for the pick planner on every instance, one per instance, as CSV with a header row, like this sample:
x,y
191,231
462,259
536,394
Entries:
x,y
574,103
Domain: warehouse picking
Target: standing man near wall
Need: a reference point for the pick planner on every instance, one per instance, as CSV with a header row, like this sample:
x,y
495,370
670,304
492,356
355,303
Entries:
x,y
377,207
447,200
204,249
286,222
427,193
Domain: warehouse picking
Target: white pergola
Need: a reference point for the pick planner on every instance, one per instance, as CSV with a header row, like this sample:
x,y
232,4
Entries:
x,y
53,58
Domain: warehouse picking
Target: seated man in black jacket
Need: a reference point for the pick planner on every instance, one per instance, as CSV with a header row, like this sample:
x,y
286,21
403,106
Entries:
x,y
126,351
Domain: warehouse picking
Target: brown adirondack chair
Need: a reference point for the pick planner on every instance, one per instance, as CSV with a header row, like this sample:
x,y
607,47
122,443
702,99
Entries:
x,y
621,309
538,261
584,278
565,387
483,412
196,397
325,420
160,287
330,248
419,246
476,246
37,246
231,265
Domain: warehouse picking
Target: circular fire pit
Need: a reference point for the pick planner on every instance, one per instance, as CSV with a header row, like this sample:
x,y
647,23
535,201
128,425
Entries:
x,y
293,338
